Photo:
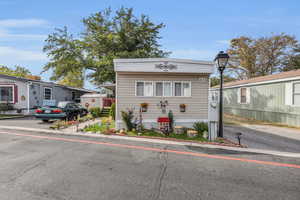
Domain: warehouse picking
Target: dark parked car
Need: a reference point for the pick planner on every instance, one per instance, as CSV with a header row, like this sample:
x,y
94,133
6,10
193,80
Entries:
x,y
64,110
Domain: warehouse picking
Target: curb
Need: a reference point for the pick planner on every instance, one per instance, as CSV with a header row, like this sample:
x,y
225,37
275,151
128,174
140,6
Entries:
x,y
12,117
158,141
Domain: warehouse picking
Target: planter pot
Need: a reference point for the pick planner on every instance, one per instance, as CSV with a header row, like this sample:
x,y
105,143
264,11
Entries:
x,y
182,109
144,109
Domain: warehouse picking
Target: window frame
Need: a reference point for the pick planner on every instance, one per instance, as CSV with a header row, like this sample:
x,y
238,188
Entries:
x,y
144,82
51,96
293,94
181,82
240,95
163,88
172,84
13,93
73,94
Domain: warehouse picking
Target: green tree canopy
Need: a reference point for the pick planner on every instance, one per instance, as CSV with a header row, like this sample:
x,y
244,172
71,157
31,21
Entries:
x,y
216,80
106,36
251,57
293,61
17,71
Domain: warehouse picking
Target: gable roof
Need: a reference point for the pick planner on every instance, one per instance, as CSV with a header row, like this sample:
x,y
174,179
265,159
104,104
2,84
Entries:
x,y
45,82
163,65
262,79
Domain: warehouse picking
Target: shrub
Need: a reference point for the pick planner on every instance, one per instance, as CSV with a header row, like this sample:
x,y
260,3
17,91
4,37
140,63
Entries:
x,y
112,111
200,127
95,112
171,118
6,107
127,118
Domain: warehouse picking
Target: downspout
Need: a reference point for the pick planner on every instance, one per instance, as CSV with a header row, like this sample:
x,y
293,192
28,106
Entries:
x,y
28,97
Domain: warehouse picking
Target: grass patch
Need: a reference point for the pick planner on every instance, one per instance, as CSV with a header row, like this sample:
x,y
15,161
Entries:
x,y
99,127
183,136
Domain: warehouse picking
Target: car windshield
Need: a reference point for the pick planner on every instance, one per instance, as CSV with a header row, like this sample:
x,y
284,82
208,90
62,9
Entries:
x,y
79,105
62,104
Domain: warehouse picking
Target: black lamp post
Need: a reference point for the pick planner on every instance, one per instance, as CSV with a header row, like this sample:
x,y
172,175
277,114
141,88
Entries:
x,y
222,60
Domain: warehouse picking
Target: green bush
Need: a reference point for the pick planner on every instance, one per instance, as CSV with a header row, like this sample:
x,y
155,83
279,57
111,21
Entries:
x,y
200,127
171,118
6,107
112,111
95,112
127,118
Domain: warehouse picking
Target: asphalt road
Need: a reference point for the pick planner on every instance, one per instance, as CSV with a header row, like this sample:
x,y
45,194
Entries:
x,y
40,167
27,122
262,140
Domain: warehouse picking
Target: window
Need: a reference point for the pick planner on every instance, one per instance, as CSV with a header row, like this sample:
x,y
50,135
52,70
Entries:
x,y
73,96
6,94
144,88
167,89
163,88
243,95
182,89
47,93
178,89
296,94
159,89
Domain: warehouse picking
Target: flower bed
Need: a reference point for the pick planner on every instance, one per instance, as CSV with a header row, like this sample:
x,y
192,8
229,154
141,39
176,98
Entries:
x,y
107,126
60,124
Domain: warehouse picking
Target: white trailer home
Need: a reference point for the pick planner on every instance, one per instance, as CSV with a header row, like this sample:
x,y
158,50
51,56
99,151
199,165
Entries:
x,y
154,86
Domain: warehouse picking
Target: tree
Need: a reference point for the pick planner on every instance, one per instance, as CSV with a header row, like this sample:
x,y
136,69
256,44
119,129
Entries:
x,y
258,57
73,79
293,61
18,71
105,37
216,80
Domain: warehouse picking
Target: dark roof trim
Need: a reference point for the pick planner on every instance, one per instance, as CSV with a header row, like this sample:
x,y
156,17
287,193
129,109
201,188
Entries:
x,y
45,82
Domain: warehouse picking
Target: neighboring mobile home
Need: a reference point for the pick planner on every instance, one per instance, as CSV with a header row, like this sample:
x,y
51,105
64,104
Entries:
x,y
154,86
272,98
26,94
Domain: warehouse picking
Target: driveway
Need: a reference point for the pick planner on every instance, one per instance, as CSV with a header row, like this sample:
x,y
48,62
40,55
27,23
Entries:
x,y
262,139
26,122
42,167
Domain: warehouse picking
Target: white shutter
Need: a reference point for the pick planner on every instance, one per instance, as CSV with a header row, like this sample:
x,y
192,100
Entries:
x,y
289,93
239,95
248,95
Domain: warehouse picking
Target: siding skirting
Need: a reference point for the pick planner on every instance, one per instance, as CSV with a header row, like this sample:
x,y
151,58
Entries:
x,y
291,119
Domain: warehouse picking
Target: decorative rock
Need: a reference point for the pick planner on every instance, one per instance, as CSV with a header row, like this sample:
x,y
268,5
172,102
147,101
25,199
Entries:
x,y
192,133
139,134
178,129
205,134
122,131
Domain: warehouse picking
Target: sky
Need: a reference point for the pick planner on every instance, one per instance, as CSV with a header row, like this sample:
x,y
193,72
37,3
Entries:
x,y
195,29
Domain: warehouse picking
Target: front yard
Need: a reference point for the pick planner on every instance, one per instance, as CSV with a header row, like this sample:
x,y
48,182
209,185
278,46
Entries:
x,y
107,127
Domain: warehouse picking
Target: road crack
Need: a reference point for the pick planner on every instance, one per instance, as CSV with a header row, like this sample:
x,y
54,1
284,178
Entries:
x,y
161,175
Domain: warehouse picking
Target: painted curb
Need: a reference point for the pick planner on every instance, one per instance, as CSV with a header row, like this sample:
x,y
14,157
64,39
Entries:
x,y
158,141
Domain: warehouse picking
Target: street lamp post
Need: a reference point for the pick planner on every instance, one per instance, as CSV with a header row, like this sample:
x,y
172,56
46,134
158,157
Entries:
x,y
222,60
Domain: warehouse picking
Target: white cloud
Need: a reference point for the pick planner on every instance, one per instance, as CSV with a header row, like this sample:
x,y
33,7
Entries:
x,y
197,54
22,23
226,42
7,36
18,55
